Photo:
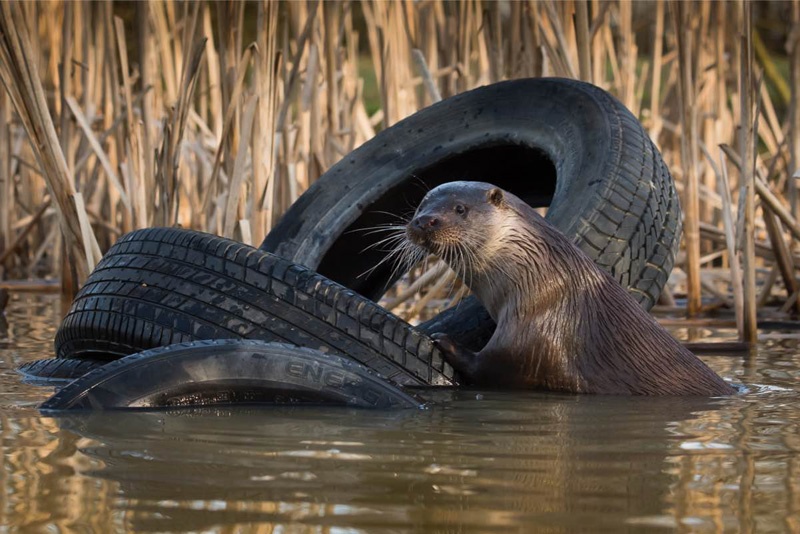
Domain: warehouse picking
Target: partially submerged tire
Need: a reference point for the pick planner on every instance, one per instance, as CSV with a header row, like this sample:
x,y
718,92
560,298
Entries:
x,y
229,372
553,142
161,286
56,371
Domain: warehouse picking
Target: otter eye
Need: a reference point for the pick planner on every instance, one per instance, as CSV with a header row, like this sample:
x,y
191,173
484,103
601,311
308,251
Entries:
x,y
461,210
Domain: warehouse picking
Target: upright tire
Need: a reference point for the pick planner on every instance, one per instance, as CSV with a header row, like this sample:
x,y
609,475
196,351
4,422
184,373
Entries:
x,y
161,286
556,142
229,372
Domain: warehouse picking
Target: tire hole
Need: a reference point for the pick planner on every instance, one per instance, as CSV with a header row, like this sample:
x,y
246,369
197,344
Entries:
x,y
525,171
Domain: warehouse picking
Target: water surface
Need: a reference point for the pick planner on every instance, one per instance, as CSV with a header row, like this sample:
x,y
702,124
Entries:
x,y
473,462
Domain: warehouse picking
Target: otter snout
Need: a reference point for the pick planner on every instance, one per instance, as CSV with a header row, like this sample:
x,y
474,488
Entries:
x,y
424,222
420,228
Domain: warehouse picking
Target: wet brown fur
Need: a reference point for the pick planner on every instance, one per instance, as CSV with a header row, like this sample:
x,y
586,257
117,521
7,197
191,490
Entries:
x,y
563,324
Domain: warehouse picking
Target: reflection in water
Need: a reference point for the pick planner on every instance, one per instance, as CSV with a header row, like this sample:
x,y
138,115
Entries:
x,y
487,463
473,462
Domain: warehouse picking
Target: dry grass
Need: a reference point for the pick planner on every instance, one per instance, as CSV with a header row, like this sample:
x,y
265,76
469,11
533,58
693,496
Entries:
x,y
168,114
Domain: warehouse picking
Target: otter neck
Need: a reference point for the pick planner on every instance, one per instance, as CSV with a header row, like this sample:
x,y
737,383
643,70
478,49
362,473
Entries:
x,y
492,292
528,268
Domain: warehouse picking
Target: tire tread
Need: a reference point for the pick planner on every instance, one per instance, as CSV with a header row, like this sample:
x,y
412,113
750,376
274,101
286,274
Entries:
x,y
164,286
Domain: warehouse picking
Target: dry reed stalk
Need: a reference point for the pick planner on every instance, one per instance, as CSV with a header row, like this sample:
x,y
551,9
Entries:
x,y
599,53
233,68
20,77
706,81
708,259
628,55
763,248
766,194
790,302
90,246
168,159
771,131
747,139
494,40
723,123
556,43
514,39
148,69
6,181
793,47
462,52
399,99
211,191
352,84
6,252
639,90
534,40
774,204
583,39
730,239
782,256
422,66
766,288
110,105
435,271
214,83
101,140
237,178
267,82
682,22
613,60
331,22
341,90
45,247
133,162
65,81
440,286
168,56
94,143
771,71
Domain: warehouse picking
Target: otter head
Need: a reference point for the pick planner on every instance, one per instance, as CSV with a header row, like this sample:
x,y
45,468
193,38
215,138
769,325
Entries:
x,y
454,220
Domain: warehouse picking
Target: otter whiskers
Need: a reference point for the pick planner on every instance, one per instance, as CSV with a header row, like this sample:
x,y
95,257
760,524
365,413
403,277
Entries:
x,y
401,253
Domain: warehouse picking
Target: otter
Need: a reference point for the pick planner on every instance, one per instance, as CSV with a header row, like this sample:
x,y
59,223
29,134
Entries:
x,y
563,323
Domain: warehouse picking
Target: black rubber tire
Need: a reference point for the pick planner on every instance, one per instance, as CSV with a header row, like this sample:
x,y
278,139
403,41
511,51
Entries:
x,y
56,371
161,286
556,142
229,372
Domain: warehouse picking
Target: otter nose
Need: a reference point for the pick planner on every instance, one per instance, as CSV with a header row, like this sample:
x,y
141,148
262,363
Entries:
x,y
424,222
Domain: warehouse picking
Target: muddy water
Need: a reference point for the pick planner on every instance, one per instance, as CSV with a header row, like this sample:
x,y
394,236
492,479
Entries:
x,y
473,462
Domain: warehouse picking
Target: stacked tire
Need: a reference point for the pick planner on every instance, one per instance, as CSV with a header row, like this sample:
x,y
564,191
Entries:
x,y
161,286
553,142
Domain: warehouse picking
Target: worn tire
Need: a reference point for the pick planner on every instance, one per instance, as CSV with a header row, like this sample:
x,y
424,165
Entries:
x,y
161,286
556,142
229,372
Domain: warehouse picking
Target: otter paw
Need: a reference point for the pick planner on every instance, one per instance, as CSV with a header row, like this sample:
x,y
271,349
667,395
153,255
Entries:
x,y
444,343
461,359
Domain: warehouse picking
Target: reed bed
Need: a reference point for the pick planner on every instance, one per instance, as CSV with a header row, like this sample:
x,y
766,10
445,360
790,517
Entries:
x,y
218,115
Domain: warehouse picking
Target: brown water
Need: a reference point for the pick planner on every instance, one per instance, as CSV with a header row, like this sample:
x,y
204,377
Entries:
x,y
474,462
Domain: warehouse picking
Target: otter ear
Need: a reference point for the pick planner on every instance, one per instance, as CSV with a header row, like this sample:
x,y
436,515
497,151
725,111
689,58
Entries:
x,y
495,196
